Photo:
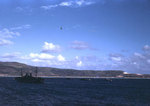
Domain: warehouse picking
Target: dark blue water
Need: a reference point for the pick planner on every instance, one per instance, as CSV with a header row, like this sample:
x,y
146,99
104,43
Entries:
x,y
76,92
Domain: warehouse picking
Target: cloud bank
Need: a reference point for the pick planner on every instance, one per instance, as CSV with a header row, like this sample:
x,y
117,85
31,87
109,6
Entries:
x,y
138,62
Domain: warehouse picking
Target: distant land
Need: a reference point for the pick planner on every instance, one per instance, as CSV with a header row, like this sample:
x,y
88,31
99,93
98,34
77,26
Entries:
x,y
8,69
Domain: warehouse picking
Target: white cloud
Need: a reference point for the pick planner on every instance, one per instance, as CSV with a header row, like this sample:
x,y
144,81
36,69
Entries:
x,y
79,45
80,2
48,60
19,8
77,57
49,7
76,3
138,55
71,3
66,3
134,63
27,26
36,60
79,64
5,42
6,35
25,9
148,61
42,56
50,47
11,55
60,58
83,2
14,56
116,57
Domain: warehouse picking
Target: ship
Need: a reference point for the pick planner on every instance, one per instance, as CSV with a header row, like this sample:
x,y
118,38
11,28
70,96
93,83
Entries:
x,y
28,78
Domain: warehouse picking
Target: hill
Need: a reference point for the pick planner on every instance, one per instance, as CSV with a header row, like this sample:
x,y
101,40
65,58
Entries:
x,y
13,69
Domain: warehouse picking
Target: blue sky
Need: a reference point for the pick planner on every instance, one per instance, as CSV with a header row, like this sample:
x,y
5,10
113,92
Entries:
x,y
95,34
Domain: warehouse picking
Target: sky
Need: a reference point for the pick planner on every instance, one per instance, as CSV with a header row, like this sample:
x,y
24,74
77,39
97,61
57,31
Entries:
x,y
77,34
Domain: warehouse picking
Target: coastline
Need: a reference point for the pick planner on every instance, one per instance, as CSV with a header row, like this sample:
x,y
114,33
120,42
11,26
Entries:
x,y
76,77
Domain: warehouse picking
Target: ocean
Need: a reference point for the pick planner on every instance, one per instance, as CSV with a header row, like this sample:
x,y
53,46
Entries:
x,y
75,92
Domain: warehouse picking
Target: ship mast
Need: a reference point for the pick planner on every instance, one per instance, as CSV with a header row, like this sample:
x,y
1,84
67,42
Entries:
x,y
36,71
21,72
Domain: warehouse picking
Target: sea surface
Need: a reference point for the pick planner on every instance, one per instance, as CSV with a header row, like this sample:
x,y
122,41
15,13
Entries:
x,y
76,92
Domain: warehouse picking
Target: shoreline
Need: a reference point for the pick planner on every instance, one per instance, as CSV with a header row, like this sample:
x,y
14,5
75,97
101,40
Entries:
x,y
76,77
